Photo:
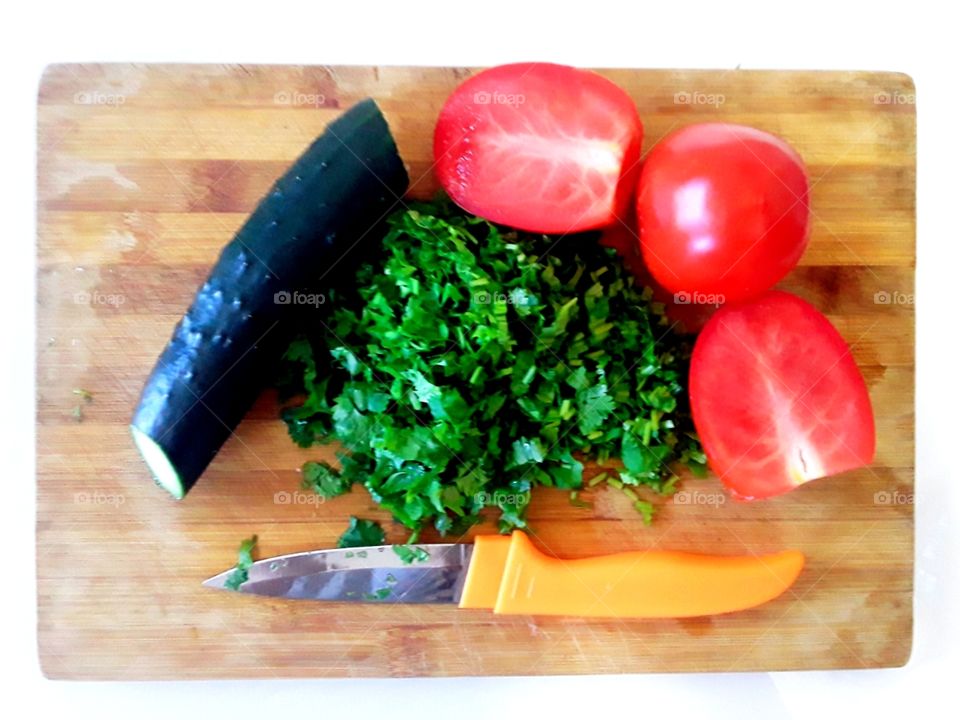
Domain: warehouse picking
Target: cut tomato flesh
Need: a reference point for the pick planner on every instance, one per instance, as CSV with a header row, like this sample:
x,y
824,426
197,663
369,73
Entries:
x,y
777,398
541,147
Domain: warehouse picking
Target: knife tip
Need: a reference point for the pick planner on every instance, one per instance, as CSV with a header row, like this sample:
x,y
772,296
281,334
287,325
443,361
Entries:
x,y
216,582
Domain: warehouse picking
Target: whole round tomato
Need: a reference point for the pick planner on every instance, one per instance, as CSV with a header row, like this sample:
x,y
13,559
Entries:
x,y
540,147
777,399
723,211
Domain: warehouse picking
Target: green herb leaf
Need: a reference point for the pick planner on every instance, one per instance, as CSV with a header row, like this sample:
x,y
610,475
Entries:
x,y
245,560
361,533
323,480
378,594
411,553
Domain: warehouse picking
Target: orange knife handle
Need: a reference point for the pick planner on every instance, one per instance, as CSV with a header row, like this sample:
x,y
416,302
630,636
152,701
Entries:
x,y
640,584
485,572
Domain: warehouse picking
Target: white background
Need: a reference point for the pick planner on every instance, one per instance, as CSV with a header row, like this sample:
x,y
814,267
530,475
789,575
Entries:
x,y
830,35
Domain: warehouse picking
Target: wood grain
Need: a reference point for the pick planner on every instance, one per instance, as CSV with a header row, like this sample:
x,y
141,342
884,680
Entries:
x,y
145,172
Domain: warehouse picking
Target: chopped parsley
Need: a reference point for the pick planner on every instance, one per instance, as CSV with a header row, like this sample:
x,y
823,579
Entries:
x,y
473,363
361,533
85,396
410,554
245,561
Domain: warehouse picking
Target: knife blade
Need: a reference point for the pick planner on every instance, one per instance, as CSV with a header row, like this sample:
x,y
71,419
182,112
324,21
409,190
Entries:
x,y
371,574
510,575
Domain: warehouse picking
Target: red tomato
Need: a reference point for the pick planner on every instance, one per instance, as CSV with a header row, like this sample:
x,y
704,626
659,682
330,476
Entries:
x,y
723,211
777,398
687,317
540,147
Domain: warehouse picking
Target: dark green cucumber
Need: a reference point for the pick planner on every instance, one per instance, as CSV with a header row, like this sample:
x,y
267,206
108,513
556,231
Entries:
x,y
316,224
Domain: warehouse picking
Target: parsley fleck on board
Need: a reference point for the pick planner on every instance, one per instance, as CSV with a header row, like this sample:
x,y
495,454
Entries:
x,y
474,362
241,572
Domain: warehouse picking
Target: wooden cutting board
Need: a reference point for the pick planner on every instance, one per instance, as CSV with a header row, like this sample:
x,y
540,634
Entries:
x,y
145,172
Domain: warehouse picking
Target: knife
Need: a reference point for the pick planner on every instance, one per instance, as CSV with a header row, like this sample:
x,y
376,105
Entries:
x,y
511,576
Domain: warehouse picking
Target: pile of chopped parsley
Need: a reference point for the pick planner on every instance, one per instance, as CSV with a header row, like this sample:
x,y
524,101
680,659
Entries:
x,y
475,362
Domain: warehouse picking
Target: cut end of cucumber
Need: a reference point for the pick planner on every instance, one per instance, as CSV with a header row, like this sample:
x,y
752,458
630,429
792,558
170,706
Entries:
x,y
160,466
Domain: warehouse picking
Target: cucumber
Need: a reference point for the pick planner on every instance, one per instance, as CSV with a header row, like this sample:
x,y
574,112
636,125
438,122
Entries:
x,y
316,223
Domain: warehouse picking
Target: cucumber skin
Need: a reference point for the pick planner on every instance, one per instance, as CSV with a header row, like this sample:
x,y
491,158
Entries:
x,y
312,229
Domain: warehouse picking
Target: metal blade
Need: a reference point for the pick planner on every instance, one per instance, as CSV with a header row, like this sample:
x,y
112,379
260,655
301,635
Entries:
x,y
371,574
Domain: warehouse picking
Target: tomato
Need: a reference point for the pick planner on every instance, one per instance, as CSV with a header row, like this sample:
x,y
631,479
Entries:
x,y
723,211
777,398
685,317
540,147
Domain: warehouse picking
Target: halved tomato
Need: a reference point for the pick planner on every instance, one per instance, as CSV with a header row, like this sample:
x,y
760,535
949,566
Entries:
x,y
777,398
540,147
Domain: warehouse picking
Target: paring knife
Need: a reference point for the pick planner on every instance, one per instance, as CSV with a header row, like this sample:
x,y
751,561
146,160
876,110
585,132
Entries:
x,y
509,575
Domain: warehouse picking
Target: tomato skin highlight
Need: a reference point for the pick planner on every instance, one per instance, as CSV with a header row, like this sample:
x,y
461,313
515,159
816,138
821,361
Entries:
x,y
723,210
540,147
777,398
